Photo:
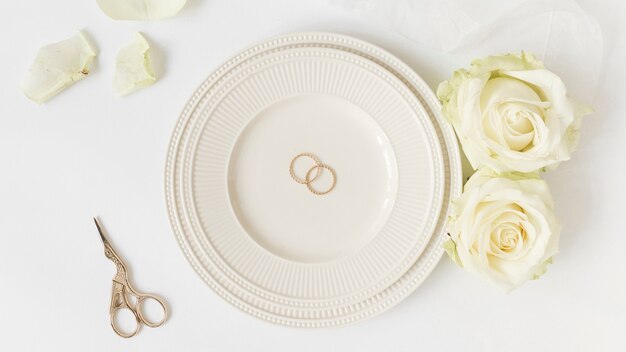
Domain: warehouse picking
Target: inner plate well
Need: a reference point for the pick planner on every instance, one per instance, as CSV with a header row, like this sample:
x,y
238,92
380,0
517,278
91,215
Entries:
x,y
299,225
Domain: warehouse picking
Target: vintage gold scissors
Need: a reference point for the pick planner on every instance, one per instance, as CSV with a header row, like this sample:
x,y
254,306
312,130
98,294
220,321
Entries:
x,y
123,294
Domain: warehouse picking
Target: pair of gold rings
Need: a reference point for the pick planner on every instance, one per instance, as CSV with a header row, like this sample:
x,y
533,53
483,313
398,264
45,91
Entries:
x,y
312,174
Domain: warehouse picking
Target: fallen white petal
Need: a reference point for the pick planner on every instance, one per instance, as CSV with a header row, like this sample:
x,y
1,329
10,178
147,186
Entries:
x,y
140,10
133,69
57,66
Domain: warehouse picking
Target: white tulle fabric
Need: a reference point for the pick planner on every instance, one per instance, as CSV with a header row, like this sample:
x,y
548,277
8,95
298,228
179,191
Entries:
x,y
559,32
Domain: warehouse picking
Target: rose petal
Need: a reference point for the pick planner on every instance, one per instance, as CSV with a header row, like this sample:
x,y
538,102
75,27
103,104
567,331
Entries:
x,y
450,247
57,66
133,68
140,10
508,62
504,88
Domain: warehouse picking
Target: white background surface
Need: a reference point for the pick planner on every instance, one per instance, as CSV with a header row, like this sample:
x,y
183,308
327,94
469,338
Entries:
x,y
88,152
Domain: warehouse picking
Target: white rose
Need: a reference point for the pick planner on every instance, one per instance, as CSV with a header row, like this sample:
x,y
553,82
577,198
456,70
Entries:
x,y
511,114
503,228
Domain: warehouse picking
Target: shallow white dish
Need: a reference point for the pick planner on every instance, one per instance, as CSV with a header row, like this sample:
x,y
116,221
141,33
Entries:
x,y
265,243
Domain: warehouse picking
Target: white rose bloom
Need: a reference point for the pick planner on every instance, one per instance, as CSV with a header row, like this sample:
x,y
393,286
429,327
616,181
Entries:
x,y
503,228
511,114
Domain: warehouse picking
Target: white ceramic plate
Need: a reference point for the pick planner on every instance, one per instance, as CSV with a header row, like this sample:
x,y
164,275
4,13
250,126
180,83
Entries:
x,y
263,241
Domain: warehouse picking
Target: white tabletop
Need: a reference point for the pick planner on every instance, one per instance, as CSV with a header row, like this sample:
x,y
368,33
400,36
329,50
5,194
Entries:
x,y
88,152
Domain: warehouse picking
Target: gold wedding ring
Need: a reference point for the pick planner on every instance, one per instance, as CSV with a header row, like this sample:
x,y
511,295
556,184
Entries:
x,y
319,167
293,173
309,178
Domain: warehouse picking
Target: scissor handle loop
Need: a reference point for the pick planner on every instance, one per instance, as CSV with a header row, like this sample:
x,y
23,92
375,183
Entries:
x,y
117,329
139,310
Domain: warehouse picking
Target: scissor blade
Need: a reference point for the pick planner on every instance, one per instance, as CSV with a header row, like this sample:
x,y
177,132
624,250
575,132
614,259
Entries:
x,y
104,240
